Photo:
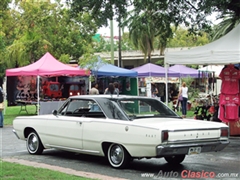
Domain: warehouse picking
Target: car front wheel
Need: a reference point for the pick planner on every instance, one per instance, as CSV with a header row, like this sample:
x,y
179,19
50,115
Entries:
x,y
34,144
117,156
177,159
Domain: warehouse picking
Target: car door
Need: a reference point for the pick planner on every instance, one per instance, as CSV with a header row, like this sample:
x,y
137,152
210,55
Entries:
x,y
67,126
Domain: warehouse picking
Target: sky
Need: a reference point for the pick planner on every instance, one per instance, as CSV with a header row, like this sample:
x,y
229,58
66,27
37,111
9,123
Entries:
x,y
106,31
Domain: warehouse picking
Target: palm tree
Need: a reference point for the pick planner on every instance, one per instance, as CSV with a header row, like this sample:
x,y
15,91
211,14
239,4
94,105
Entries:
x,y
230,21
142,34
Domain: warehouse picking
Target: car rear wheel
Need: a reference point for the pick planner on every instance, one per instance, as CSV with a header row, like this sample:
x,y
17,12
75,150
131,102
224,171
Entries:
x,y
34,144
177,159
117,156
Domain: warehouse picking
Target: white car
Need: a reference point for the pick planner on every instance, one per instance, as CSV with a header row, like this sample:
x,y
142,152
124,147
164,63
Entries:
x,y
121,128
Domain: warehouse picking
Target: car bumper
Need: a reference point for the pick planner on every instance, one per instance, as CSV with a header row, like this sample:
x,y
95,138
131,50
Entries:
x,y
177,149
15,133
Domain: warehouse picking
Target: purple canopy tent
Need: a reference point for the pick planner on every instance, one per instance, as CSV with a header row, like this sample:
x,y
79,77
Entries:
x,y
153,70
185,71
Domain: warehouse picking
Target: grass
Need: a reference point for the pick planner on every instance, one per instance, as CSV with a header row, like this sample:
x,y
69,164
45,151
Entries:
x,y
13,111
13,171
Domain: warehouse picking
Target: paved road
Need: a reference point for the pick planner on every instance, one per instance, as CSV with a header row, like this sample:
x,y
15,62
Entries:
x,y
224,162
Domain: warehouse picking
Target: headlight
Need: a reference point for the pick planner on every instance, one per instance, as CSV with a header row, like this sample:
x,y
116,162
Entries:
x,y
70,93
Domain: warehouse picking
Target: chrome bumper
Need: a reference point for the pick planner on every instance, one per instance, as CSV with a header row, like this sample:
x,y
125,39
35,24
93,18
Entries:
x,y
15,133
177,149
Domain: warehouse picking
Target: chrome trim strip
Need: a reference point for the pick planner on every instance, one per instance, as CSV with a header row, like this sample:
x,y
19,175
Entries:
x,y
73,149
14,131
191,140
197,129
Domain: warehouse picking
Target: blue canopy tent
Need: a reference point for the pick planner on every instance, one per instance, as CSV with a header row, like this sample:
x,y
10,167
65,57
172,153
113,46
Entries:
x,y
111,70
102,69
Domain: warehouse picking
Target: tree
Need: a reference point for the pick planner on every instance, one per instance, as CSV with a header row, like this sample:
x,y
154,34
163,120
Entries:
x,y
41,27
229,22
142,33
193,14
100,10
182,38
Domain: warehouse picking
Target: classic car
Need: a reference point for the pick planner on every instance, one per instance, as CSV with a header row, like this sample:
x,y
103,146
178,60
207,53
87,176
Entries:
x,y
120,128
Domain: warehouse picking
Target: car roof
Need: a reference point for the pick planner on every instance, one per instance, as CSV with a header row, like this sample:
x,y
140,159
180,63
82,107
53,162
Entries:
x,y
114,96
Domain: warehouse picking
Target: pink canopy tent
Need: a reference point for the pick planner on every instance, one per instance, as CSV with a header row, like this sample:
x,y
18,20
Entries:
x,y
46,66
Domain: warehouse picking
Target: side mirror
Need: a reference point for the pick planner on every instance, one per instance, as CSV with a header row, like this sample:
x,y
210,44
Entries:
x,y
54,112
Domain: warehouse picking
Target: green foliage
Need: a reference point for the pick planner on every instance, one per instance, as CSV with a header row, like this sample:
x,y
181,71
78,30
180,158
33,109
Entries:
x,y
64,58
182,38
229,22
100,10
142,33
36,28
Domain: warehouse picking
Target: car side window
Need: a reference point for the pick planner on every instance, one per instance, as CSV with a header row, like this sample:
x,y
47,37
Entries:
x,y
83,108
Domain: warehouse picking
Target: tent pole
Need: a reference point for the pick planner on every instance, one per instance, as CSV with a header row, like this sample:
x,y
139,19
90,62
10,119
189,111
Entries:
x,y
38,86
166,81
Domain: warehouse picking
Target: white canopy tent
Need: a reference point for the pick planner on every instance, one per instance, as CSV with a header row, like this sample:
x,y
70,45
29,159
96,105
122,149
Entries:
x,y
225,50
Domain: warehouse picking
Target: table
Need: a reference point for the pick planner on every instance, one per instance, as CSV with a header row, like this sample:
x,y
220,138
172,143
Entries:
x,y
24,104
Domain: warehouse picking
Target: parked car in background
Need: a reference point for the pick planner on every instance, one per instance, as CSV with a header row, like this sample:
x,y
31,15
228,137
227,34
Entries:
x,y
121,128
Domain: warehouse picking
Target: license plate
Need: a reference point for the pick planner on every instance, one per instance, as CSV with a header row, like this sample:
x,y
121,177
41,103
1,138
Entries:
x,y
194,150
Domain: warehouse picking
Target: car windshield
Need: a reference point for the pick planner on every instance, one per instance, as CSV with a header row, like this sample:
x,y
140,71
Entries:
x,y
74,88
145,107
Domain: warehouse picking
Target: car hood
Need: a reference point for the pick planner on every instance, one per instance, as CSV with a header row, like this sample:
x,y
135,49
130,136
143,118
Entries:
x,y
175,123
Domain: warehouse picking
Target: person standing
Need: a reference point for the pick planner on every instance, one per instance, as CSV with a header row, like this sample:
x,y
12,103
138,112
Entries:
x,y
110,89
94,89
2,107
154,90
116,85
184,93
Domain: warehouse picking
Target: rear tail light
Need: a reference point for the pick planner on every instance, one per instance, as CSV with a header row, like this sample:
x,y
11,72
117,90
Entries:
x,y
164,136
71,93
224,132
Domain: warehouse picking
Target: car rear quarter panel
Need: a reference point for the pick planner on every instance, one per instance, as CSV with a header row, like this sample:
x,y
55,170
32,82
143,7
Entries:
x,y
139,141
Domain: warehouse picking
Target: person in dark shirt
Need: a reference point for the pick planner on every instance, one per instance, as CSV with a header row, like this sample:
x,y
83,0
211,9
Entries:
x,y
110,89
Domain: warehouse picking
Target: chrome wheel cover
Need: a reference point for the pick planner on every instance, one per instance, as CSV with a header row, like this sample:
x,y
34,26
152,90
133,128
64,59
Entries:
x,y
117,154
33,142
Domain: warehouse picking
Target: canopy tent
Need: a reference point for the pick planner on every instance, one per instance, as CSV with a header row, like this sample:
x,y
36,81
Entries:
x,y
212,68
225,50
111,70
46,66
104,69
153,70
185,71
